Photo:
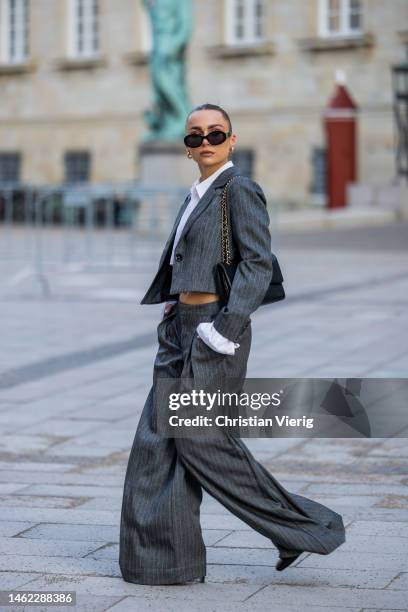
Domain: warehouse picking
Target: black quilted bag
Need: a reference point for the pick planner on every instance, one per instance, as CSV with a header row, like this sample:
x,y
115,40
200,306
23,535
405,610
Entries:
x,y
225,270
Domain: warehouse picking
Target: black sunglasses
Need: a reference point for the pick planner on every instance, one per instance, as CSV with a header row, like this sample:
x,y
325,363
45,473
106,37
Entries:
x,y
216,137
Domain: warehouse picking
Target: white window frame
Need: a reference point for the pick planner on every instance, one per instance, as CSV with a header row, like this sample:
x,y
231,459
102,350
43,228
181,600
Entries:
x,y
20,51
90,24
145,30
345,14
249,37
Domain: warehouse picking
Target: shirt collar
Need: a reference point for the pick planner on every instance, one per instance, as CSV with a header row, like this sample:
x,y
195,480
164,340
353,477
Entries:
x,y
201,187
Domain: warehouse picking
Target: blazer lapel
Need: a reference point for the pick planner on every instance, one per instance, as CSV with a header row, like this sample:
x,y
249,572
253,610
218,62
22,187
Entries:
x,y
202,204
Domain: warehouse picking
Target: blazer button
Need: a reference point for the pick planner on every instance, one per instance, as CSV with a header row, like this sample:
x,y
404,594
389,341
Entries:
x,y
179,257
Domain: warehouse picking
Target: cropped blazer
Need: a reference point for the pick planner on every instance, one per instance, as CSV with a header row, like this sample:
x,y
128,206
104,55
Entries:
x,y
199,250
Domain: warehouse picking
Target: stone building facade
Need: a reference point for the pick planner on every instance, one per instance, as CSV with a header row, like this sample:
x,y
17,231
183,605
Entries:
x,y
74,84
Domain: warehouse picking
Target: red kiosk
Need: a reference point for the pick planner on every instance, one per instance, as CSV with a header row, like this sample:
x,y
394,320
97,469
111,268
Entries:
x,y
341,144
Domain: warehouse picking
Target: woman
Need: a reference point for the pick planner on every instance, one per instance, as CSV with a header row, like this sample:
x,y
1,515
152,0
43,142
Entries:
x,y
202,338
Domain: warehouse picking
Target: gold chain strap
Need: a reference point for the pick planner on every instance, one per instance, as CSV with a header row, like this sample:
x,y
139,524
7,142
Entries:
x,y
225,242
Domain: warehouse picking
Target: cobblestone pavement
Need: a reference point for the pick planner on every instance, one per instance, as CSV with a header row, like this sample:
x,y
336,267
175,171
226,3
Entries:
x,y
76,367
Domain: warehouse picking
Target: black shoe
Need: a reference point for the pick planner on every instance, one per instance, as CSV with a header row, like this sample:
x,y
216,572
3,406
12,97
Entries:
x,y
202,579
284,562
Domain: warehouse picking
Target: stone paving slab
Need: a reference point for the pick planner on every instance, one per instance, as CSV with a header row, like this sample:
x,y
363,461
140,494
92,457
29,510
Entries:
x,y
352,489
388,609
10,487
36,466
59,565
104,411
400,582
71,532
75,449
9,529
396,561
48,479
376,528
37,501
379,514
327,597
22,443
129,604
74,490
102,503
57,548
301,576
334,598
61,427
341,501
13,580
59,515
118,587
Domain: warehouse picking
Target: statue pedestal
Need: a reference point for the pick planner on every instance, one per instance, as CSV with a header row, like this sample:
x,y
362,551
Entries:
x,y
166,175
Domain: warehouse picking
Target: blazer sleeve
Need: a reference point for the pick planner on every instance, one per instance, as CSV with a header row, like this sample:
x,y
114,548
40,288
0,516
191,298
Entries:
x,y
249,221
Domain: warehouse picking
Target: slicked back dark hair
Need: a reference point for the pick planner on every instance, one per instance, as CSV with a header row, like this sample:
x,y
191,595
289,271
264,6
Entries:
x,y
211,107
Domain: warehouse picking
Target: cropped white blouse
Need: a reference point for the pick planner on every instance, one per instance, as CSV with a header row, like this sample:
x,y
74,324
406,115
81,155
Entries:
x,y
205,330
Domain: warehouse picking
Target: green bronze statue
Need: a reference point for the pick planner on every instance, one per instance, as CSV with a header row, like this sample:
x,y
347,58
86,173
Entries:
x,y
171,23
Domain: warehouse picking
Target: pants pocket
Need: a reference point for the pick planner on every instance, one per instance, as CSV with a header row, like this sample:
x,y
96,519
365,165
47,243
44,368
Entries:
x,y
169,315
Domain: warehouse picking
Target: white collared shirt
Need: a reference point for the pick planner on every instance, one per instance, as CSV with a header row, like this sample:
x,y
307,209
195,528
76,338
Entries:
x,y
205,330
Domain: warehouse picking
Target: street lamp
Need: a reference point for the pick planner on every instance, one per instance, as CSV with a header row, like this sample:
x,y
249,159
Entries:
x,y
400,90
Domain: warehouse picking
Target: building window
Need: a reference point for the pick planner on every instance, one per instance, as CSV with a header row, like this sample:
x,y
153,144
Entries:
x,y
145,30
245,21
84,28
10,164
340,17
14,16
77,166
244,159
319,178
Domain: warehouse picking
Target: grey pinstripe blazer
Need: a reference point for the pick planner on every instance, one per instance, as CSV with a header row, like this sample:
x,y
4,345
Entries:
x,y
199,250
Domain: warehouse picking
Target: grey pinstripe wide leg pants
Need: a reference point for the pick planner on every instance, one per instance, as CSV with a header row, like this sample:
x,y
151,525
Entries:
x,y
160,534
